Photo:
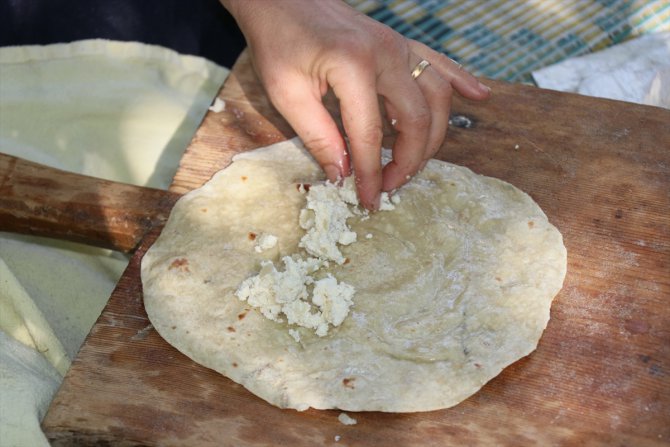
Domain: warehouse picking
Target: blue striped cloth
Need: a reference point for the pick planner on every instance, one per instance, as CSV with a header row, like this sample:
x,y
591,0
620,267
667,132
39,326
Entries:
x,y
508,39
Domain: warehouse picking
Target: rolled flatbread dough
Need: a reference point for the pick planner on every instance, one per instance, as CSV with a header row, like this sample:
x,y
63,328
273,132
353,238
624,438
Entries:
x,y
451,287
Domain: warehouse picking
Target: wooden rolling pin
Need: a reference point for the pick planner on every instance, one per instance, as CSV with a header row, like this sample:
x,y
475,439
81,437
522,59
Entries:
x,y
44,201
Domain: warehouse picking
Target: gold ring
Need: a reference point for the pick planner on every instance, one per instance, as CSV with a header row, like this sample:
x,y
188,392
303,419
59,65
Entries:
x,y
420,67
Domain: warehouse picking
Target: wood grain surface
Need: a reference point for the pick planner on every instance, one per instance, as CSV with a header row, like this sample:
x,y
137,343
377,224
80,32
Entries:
x,y
600,376
44,201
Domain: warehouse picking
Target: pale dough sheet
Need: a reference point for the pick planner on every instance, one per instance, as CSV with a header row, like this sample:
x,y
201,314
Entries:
x,y
116,110
436,314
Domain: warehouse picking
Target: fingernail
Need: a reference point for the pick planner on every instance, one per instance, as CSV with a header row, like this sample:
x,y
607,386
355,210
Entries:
x,y
484,87
332,173
373,204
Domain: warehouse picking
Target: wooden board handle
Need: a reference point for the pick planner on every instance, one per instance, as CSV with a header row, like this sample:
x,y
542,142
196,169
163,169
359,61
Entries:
x,y
43,201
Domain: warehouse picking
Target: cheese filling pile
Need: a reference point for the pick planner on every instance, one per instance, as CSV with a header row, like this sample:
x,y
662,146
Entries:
x,y
295,293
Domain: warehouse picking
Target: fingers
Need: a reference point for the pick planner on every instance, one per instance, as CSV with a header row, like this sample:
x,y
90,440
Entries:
x,y
360,59
301,106
420,108
436,84
360,65
462,81
421,125
362,122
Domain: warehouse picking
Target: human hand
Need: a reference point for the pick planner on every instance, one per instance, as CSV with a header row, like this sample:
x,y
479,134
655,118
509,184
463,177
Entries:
x,y
301,48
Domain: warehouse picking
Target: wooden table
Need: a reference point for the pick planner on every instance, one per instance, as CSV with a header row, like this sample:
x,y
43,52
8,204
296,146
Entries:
x,y
600,376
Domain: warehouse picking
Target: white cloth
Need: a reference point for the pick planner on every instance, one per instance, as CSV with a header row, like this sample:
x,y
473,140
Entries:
x,y
28,384
635,71
115,110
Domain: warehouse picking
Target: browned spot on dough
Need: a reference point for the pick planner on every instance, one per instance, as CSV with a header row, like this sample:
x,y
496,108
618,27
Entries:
x,y
181,264
242,315
174,327
231,329
498,278
305,186
348,382
347,261
244,178
531,224
252,236
234,364
477,365
204,210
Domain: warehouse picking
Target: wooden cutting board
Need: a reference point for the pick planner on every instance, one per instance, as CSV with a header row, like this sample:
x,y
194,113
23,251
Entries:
x,y
600,376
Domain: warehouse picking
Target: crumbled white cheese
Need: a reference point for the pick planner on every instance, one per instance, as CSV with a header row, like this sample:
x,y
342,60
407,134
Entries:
x,y
218,106
295,334
345,419
347,191
271,291
295,293
333,299
299,312
337,438
368,236
325,219
257,292
386,203
265,242
286,292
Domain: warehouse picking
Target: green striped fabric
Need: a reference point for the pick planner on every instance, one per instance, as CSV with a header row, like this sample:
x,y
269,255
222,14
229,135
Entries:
x,y
508,39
